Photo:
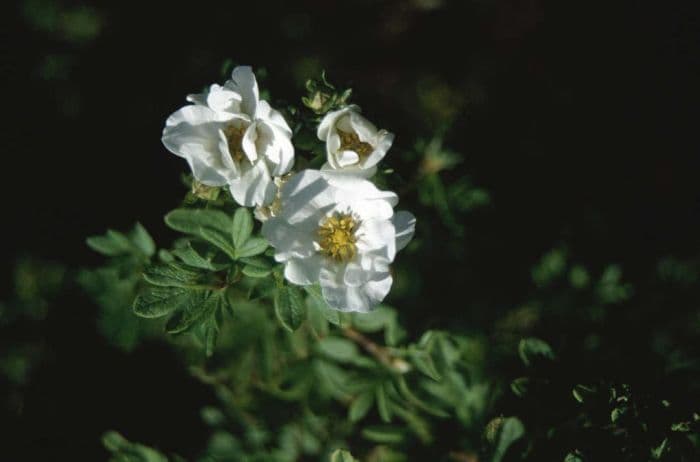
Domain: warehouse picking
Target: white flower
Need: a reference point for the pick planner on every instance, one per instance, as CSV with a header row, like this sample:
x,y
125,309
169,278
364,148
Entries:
x,y
232,138
340,231
353,144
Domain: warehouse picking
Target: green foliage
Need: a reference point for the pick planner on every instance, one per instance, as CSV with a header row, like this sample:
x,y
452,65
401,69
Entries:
x,y
115,285
340,455
297,380
323,97
123,450
508,432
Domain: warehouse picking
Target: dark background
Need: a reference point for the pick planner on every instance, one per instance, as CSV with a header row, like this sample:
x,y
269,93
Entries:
x,y
580,119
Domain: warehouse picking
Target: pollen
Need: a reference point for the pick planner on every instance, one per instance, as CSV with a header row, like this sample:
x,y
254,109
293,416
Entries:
x,y
234,137
349,141
338,236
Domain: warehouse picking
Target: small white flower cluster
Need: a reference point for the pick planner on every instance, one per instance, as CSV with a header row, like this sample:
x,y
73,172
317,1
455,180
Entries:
x,y
330,226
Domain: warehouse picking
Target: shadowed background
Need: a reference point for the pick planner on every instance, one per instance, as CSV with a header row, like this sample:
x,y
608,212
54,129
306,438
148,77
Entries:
x,y
577,120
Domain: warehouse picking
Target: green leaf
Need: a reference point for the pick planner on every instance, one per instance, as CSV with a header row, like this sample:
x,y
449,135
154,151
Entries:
x,y
253,246
413,399
423,362
242,226
333,378
289,307
171,275
159,301
573,457
360,406
383,405
211,334
530,348
511,430
373,321
142,240
126,451
219,240
199,306
339,349
550,267
341,455
660,450
384,434
192,221
578,277
189,256
112,244
520,386
581,391
165,256
256,267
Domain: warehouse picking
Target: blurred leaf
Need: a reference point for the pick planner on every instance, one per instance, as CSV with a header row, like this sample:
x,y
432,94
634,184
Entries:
x,y
124,451
192,221
360,406
530,348
338,349
423,362
511,430
112,244
573,457
520,386
383,405
341,455
578,277
550,267
658,451
140,237
383,434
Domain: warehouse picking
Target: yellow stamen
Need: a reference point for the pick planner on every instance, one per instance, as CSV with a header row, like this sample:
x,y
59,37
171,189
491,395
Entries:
x,y
337,236
234,136
351,142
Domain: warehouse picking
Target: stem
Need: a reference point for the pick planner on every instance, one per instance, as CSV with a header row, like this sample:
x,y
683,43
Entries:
x,y
381,354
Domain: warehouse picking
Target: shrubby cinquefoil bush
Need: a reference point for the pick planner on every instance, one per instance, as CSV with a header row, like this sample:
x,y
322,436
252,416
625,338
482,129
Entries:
x,y
274,294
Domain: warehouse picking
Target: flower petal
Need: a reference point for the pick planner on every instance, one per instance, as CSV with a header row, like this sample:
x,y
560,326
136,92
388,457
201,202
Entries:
x,y
272,116
283,145
377,237
222,99
192,132
289,241
382,144
250,142
329,120
306,197
303,271
405,225
254,187
377,290
347,158
362,298
243,82
366,131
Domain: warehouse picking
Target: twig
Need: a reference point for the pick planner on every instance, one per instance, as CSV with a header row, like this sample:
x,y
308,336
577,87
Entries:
x,y
382,354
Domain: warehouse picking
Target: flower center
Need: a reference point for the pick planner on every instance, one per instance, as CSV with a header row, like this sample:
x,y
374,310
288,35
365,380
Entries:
x,y
234,137
337,236
349,141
